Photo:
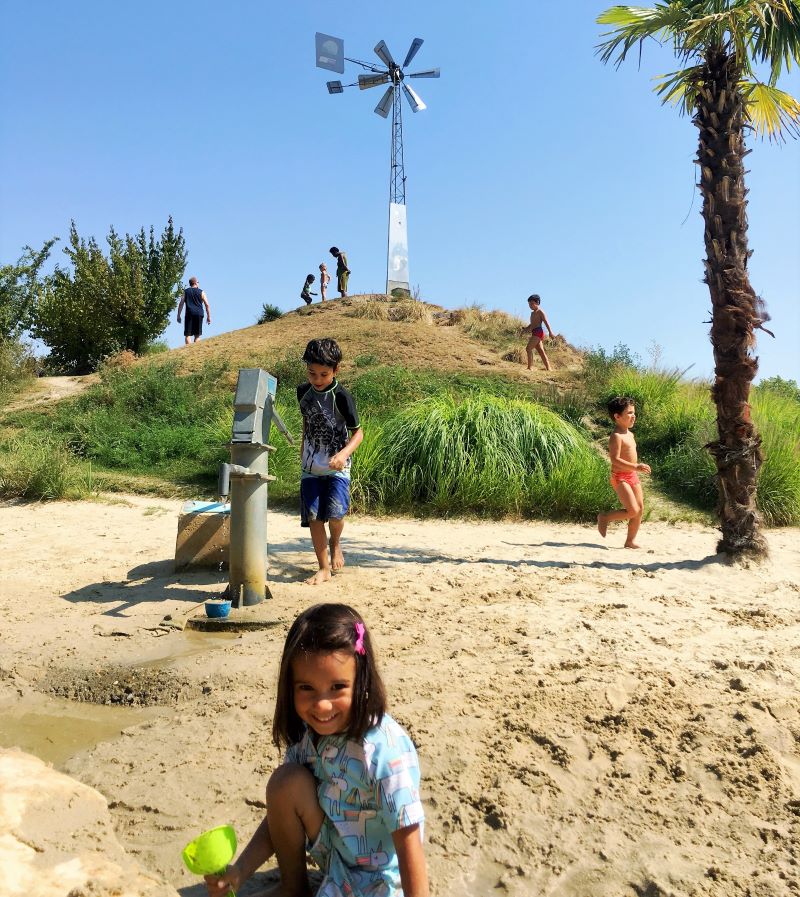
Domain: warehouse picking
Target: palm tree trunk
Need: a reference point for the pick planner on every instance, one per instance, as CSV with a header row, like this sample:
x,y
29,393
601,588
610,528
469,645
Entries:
x,y
735,307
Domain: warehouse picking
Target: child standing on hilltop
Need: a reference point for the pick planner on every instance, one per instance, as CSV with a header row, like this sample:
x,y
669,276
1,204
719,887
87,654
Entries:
x,y
324,280
624,467
331,433
538,317
306,293
348,790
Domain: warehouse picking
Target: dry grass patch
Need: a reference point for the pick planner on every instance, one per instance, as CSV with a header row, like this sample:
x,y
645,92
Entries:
x,y
411,310
371,311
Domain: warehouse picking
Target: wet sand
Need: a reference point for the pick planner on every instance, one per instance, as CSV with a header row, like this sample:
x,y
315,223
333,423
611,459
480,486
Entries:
x,y
590,720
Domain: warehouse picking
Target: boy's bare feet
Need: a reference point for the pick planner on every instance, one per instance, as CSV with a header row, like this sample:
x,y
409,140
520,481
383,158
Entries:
x,y
337,558
632,545
318,578
602,525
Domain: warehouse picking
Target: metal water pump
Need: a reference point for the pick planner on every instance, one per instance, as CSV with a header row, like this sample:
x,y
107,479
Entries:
x,y
247,479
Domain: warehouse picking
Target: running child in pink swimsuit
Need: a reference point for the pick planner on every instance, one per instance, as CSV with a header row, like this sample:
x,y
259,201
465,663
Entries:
x,y
624,467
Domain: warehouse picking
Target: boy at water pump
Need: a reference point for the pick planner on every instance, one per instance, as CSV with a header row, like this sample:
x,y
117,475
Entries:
x,y
331,433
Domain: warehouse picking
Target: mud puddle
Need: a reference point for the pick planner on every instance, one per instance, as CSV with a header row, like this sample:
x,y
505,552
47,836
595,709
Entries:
x,y
181,645
151,680
55,729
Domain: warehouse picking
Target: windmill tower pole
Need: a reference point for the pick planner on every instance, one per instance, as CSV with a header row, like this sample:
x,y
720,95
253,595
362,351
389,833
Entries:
x,y
397,280
397,181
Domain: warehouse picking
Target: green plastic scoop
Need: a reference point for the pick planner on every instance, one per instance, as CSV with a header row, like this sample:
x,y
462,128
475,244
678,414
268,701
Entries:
x,y
210,853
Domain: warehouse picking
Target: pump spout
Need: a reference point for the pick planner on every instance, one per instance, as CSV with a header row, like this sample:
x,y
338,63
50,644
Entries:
x,y
224,482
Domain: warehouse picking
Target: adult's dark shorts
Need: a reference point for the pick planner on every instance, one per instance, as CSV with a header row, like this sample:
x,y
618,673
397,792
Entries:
x,y
192,325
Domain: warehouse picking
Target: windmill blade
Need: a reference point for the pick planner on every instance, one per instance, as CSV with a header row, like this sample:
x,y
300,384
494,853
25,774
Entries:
x,y
385,104
428,73
412,50
384,55
365,81
414,100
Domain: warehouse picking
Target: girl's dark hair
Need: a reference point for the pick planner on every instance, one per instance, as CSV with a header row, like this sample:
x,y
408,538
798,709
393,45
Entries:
x,y
323,629
618,404
334,250
310,278
323,351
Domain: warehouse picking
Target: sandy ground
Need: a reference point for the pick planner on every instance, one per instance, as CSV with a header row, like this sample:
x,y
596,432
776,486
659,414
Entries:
x,y
591,721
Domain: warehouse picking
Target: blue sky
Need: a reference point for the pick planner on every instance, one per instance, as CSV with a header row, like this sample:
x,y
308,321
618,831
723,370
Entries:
x,y
534,168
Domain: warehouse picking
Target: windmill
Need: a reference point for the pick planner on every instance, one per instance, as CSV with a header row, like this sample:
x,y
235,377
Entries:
x,y
330,55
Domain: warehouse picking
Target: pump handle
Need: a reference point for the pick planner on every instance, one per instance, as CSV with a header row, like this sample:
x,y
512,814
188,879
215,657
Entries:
x,y
276,419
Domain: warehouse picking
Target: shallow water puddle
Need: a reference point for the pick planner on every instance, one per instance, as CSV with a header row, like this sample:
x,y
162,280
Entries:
x,y
180,645
55,729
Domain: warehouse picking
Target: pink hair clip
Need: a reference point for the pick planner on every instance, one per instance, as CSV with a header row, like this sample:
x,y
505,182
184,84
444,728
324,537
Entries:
x,y
359,645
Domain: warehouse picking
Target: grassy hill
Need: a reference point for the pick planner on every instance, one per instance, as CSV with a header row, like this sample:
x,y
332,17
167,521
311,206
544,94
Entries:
x,y
454,423
372,330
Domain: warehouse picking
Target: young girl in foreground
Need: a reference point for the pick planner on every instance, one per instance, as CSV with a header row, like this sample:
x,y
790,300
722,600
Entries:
x,y
348,790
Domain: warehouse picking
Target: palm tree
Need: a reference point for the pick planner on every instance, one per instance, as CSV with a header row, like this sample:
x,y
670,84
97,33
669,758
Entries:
x,y
722,44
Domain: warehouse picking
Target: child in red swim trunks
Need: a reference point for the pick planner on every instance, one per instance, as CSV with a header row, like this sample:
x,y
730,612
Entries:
x,y
624,467
536,329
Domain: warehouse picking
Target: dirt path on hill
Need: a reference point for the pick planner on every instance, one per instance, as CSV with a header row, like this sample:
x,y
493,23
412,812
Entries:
x,y
47,390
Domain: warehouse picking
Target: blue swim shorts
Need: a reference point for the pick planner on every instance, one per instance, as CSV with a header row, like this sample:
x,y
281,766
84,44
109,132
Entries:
x,y
323,498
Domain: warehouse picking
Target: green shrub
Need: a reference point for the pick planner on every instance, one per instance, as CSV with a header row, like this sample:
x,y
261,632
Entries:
x,y
41,468
269,312
17,368
146,419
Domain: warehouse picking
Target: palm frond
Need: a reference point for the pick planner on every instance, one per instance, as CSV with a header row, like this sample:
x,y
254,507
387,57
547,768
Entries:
x,y
777,41
771,112
678,88
633,24
756,30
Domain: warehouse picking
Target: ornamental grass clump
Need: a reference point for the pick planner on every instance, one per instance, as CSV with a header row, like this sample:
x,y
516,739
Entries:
x,y
43,469
778,420
689,472
484,454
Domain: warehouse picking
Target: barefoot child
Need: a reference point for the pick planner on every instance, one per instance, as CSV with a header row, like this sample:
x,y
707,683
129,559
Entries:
x,y
331,433
306,293
538,317
624,464
324,280
348,790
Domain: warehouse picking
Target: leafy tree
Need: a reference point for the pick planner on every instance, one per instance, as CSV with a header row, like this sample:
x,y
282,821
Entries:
x,y
19,288
105,304
720,43
780,387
